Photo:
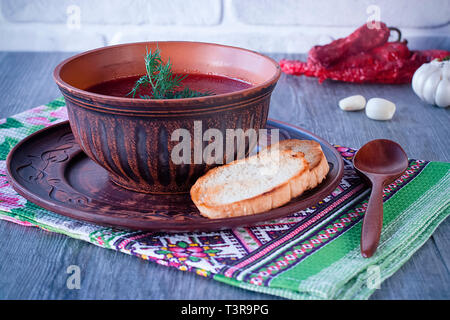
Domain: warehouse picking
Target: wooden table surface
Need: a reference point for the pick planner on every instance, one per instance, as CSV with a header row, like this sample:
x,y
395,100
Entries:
x,y
33,262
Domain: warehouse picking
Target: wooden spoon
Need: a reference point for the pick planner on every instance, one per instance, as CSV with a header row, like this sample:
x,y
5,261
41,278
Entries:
x,y
381,161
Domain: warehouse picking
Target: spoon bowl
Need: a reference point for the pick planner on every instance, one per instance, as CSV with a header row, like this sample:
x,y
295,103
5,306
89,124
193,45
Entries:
x,y
381,161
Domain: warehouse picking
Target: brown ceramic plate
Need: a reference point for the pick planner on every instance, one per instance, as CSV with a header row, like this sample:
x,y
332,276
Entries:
x,y
49,169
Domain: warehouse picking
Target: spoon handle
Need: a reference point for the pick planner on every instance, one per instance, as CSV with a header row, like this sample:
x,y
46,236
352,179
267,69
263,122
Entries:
x,y
373,221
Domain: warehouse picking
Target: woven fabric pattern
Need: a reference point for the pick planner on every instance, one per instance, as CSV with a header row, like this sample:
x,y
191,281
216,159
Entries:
x,y
311,254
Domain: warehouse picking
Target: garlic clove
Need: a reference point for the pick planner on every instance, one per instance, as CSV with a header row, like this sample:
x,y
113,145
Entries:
x,y
380,109
352,103
430,86
421,73
442,96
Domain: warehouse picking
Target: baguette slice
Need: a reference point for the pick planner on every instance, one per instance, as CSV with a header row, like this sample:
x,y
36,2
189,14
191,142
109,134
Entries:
x,y
261,182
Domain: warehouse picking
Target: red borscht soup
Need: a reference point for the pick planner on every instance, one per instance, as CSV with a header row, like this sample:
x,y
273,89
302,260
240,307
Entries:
x,y
198,82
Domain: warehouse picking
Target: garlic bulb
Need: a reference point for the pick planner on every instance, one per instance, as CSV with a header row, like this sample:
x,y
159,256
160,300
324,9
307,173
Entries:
x,y
431,82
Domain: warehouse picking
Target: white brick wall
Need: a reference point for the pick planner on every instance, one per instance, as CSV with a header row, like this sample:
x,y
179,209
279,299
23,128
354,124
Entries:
x,y
264,25
116,12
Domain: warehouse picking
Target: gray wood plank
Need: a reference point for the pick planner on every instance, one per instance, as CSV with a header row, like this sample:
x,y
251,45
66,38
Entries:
x,y
33,262
441,239
26,80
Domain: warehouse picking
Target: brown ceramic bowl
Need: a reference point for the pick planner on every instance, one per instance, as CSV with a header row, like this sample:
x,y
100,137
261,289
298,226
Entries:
x,y
131,138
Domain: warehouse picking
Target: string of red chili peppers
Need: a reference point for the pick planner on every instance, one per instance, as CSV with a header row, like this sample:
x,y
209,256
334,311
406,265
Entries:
x,y
363,56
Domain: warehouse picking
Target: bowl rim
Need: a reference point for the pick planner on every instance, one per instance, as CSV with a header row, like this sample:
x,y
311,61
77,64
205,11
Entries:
x,y
159,102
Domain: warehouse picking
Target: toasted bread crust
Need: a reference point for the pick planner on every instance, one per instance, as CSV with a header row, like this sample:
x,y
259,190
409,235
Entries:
x,y
273,198
312,174
318,167
319,172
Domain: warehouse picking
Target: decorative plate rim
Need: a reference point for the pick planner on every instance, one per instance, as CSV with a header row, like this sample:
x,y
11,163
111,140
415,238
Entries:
x,y
174,225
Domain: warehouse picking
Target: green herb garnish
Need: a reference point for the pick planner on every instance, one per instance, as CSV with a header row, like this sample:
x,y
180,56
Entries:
x,y
163,83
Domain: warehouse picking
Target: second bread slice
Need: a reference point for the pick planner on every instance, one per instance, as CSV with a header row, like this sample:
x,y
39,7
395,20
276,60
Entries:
x,y
318,164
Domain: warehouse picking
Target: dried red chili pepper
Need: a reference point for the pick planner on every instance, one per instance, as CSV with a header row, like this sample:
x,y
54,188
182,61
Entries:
x,y
362,39
385,62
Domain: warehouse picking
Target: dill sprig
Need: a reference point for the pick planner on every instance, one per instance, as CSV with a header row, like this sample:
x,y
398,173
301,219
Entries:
x,y
161,80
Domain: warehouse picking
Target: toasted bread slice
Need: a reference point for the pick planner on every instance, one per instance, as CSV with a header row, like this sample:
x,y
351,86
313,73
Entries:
x,y
252,185
261,182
